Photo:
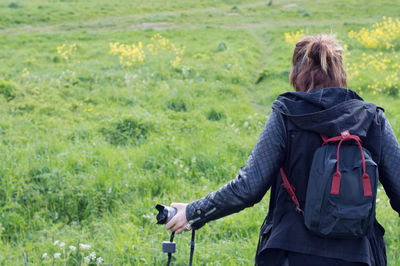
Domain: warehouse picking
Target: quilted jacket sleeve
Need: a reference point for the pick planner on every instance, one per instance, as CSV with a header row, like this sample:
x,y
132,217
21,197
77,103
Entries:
x,y
389,168
252,181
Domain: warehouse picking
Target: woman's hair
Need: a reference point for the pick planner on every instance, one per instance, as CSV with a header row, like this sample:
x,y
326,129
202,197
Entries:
x,y
317,63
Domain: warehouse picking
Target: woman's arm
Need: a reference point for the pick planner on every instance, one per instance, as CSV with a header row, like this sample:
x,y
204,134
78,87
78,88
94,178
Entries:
x,y
389,168
250,185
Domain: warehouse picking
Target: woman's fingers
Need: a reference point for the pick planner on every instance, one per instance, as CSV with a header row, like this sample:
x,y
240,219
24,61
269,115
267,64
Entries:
x,y
177,226
180,230
171,223
184,227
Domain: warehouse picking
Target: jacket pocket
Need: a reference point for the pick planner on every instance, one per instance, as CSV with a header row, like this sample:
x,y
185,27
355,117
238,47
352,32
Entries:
x,y
265,233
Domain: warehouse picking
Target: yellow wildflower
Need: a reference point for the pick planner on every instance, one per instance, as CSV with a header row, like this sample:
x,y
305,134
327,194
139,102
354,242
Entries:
x,y
66,51
383,34
25,73
293,37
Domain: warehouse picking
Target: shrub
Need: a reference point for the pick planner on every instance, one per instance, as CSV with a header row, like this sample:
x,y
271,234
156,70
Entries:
x,y
221,47
214,115
177,105
8,89
127,130
14,5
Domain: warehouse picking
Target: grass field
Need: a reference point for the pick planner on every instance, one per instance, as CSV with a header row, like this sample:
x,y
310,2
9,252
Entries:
x,y
95,133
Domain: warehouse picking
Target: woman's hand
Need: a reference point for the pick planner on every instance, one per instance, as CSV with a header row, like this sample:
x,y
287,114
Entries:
x,y
178,223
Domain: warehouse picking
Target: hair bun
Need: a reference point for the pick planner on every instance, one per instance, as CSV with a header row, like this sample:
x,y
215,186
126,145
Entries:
x,y
314,51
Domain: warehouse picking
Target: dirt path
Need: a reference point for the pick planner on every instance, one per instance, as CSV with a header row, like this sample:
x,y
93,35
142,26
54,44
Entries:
x,y
112,20
144,21
165,25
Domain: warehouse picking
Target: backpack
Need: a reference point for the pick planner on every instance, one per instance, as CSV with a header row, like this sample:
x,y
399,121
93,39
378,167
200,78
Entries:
x,y
341,190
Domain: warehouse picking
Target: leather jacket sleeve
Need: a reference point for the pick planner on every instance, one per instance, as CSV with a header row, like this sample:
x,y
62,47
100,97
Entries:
x,y
389,168
252,181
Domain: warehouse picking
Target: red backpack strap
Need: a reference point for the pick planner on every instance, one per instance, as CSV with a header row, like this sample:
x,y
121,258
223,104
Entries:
x,y
290,190
324,139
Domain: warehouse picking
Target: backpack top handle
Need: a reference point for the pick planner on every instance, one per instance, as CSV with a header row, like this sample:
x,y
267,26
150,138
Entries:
x,y
346,136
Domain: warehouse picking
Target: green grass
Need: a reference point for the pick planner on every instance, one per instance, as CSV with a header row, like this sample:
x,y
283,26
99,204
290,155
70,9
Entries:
x,y
89,147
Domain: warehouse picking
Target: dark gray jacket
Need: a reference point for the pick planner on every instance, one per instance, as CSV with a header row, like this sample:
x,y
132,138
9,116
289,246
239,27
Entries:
x,y
310,112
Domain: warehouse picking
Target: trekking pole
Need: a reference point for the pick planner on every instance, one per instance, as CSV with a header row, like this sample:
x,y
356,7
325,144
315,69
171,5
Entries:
x,y
192,248
169,247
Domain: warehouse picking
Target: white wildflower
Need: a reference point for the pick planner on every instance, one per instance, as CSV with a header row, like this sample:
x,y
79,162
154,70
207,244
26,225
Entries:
x,y
56,242
45,256
147,216
93,255
72,248
57,255
62,245
84,247
99,260
86,259
246,124
184,71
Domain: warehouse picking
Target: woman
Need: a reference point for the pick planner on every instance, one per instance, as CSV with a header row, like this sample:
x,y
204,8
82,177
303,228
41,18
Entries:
x,y
320,106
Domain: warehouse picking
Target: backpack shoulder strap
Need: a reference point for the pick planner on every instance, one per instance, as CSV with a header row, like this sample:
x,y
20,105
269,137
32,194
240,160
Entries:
x,y
290,190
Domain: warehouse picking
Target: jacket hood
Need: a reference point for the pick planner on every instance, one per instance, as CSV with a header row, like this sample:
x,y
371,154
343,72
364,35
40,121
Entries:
x,y
327,111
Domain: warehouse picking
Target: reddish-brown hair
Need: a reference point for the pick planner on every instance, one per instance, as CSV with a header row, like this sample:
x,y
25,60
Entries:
x,y
317,63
